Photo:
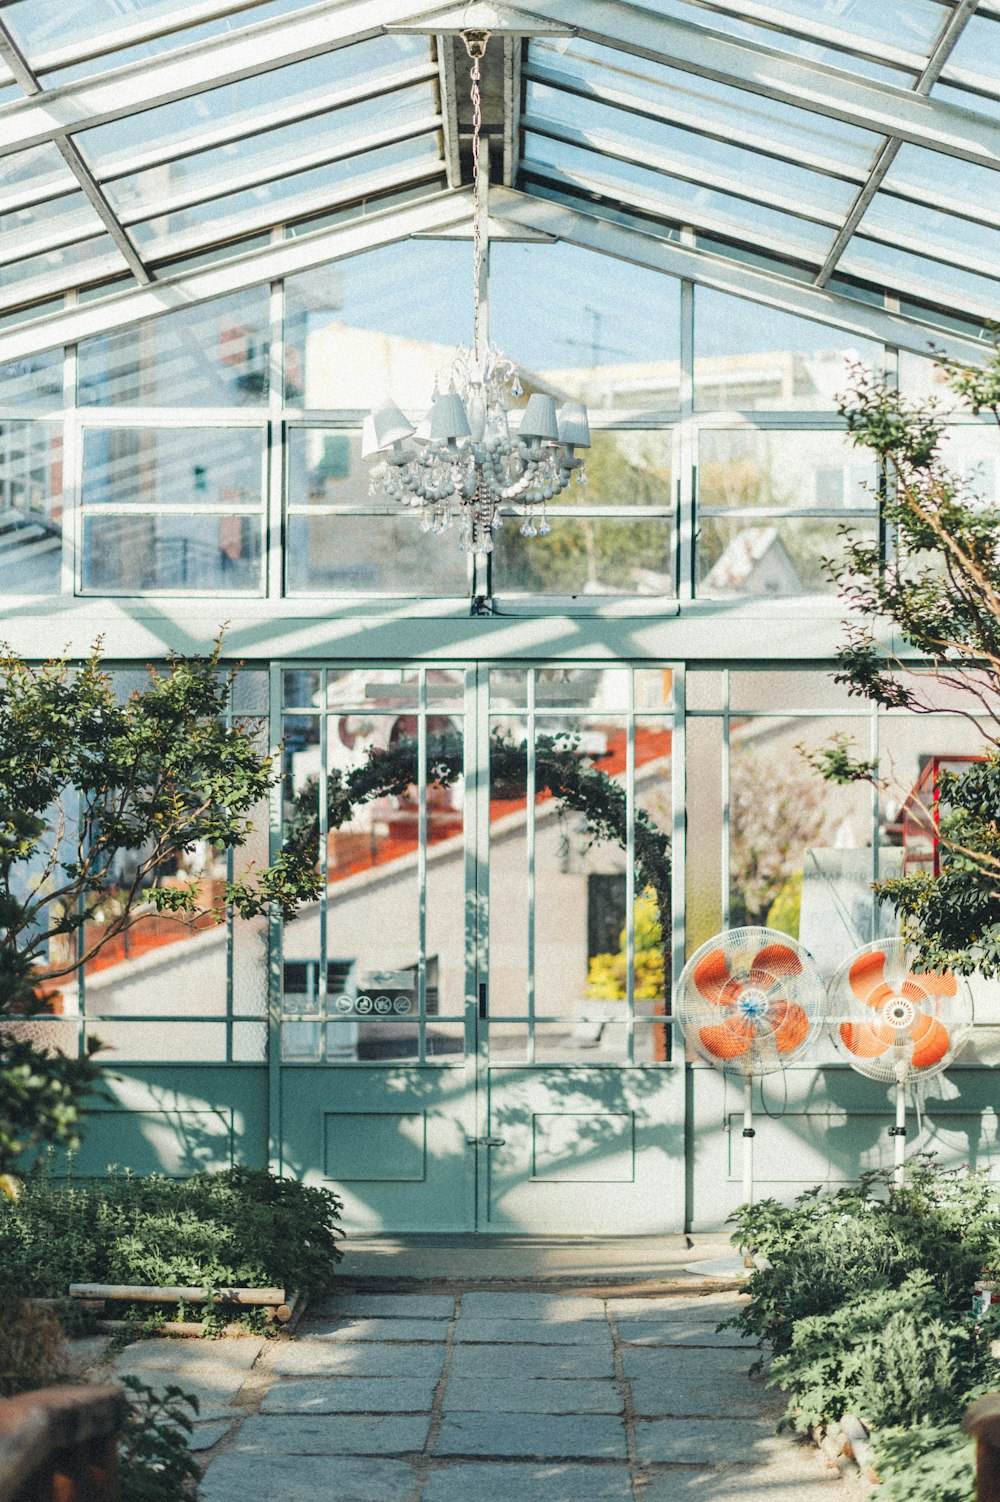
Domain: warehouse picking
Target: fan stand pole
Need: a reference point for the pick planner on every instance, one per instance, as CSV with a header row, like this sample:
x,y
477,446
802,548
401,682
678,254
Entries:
x,y
898,1133
748,1136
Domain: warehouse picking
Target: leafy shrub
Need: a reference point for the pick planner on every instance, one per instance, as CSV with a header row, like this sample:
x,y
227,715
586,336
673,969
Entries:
x,y
829,1248
892,1357
241,1227
154,1462
933,1463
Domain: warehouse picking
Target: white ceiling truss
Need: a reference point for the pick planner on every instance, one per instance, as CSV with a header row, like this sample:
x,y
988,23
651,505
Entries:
x,y
784,152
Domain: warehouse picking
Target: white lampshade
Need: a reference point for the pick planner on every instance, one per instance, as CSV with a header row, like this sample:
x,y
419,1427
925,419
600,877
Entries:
x,y
539,420
383,427
449,418
574,429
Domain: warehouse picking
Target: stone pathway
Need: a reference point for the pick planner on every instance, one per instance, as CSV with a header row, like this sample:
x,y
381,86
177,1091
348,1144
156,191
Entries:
x,y
492,1397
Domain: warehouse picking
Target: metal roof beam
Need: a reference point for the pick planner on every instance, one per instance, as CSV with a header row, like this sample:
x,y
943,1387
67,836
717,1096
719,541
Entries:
x,y
513,48
108,42
879,107
26,77
799,298
185,289
950,32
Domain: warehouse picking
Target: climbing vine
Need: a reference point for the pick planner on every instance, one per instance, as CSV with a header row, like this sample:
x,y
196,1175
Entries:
x,y
560,769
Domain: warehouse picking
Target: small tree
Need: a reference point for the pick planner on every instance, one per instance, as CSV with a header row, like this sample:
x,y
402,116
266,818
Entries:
x,y
100,801
941,593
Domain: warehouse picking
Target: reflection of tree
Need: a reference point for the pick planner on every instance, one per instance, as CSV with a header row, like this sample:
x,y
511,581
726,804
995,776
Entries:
x,y
776,810
598,553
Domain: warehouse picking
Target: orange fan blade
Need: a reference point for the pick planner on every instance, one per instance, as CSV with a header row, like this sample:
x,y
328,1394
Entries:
x,y
774,960
711,975
868,980
866,1039
727,1042
931,1040
791,1026
929,983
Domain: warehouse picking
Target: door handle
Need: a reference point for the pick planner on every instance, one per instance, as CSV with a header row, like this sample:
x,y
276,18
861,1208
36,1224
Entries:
x,y
486,1141
482,1001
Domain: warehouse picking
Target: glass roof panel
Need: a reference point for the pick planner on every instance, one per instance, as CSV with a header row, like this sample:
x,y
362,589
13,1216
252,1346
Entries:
x,y
936,282
818,36
975,58
49,32
945,182
274,153
236,108
83,261
287,197
916,226
687,154
26,176
686,203
965,99
27,231
715,108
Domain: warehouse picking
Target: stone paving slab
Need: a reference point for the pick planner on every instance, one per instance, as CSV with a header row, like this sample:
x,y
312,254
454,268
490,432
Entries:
x,y
205,1436
351,1395
331,1434
474,1362
309,1358
701,1394
708,1441
514,1481
538,1332
663,1362
771,1483
538,1395
380,1305
712,1308
676,1332
236,1477
536,1306
350,1330
176,1355
555,1436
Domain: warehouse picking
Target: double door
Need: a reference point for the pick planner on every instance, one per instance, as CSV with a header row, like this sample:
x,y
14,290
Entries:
x,y
474,1018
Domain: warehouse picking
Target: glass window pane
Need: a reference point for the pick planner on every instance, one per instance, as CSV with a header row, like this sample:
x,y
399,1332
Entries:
x,y
586,556
286,198
749,468
33,173
137,554
239,106
83,261
716,108
31,468
34,383
749,357
687,154
269,153
373,555
29,231
944,182
172,466
685,203
739,559
918,225
936,281
377,327
610,341
976,54
215,355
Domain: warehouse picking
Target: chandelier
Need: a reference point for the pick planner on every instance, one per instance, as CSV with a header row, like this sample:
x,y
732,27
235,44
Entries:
x,y
463,462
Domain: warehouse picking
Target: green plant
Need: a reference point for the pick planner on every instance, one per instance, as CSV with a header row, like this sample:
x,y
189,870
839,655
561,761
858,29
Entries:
x,y
932,1463
606,972
155,1463
241,1227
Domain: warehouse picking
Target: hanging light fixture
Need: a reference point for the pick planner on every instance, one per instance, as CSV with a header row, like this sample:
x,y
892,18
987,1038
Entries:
x,y
463,462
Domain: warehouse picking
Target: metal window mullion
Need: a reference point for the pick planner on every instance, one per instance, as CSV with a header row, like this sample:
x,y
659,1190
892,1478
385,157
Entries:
x,y
678,840
230,920
726,771
422,863
530,832
685,452
274,582
630,872
71,475
873,752
324,862
275,987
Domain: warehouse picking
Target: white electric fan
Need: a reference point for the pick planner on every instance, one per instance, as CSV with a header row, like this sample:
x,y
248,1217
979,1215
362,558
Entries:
x,y
749,1001
896,1024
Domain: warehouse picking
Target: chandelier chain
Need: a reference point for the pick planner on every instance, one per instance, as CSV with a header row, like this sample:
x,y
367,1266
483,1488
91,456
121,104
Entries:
x,y
477,226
